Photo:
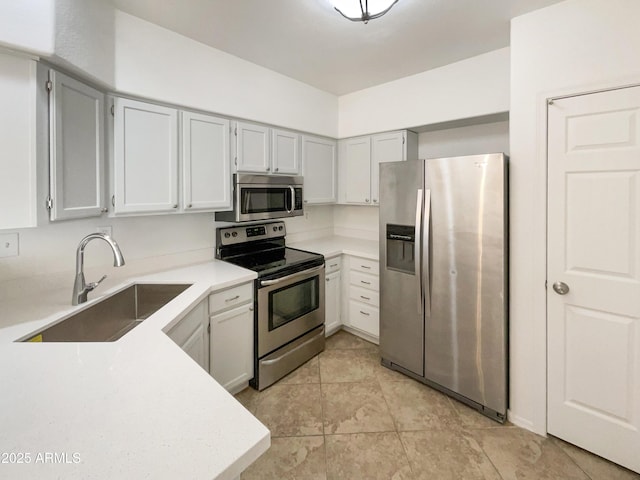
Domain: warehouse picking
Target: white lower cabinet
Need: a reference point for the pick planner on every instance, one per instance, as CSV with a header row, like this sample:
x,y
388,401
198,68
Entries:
x,y
192,334
332,294
362,284
231,359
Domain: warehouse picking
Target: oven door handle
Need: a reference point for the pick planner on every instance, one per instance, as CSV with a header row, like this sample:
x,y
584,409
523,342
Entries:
x,y
266,283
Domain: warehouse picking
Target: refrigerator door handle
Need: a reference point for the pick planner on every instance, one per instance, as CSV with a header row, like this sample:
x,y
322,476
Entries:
x,y
425,280
418,250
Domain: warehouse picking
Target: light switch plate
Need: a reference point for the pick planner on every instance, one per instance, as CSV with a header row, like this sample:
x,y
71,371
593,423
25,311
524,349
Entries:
x,y
106,230
9,245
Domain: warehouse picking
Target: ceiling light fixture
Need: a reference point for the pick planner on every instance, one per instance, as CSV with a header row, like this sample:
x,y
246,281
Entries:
x,y
362,10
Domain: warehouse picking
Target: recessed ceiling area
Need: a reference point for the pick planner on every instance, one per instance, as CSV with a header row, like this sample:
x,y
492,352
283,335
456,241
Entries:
x,y
311,42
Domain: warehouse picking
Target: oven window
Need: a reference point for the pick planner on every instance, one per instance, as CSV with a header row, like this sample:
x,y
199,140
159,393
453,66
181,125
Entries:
x,y
293,301
261,200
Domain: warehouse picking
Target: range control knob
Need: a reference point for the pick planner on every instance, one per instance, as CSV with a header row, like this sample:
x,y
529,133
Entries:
x,y
227,234
280,228
234,234
275,229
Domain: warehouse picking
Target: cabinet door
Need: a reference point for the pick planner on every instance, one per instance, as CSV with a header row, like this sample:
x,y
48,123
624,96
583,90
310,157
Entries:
x,y
252,148
192,335
385,147
319,170
205,162
76,154
285,152
332,302
145,166
357,169
232,347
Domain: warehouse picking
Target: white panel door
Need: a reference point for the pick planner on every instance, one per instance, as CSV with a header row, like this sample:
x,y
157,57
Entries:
x,y
594,249
205,163
76,154
385,147
192,334
319,170
145,167
252,148
357,169
285,152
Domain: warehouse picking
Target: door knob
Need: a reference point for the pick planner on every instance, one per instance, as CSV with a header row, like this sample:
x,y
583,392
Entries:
x,y
561,288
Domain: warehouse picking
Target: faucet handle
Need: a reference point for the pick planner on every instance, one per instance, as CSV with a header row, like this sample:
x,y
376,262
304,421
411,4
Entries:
x,y
93,285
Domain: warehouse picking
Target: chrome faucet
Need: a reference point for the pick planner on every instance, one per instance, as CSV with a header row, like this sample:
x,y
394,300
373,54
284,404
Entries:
x,y
80,288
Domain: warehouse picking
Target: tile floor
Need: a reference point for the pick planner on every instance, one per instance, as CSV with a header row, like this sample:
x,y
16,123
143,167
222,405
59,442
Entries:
x,y
344,416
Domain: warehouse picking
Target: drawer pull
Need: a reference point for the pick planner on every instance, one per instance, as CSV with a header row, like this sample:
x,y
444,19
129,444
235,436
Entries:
x,y
366,283
364,266
334,265
364,313
366,298
232,298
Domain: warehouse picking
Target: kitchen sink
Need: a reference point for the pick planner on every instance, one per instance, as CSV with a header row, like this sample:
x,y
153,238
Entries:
x,y
111,318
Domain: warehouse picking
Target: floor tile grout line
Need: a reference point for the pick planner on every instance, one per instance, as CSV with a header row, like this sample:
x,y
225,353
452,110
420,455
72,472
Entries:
x,y
550,439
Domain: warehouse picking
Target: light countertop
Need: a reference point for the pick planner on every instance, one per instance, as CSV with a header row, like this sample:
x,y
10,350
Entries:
x,y
135,408
336,245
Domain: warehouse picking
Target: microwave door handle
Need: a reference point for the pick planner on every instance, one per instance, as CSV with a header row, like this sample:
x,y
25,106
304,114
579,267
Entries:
x,y
293,196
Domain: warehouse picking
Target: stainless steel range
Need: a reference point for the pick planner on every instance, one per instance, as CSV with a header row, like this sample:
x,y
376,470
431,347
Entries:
x,y
289,292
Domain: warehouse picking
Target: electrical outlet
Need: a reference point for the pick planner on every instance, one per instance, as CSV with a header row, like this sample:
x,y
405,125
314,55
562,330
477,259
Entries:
x,y
9,245
105,230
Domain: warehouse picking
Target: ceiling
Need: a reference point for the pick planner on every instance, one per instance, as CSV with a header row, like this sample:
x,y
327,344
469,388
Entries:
x,y
309,41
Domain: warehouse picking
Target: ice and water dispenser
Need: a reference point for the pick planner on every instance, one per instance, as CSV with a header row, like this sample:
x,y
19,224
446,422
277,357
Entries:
x,y
401,248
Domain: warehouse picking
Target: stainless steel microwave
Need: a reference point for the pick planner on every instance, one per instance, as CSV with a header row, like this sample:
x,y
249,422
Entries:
x,y
263,197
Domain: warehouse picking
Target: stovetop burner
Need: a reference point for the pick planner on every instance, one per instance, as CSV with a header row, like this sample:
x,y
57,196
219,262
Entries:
x,y
261,248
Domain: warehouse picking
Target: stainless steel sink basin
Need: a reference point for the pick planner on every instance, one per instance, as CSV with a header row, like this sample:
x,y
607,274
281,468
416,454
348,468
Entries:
x,y
111,318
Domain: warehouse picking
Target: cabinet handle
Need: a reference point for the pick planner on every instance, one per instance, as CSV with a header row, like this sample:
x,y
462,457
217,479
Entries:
x,y
364,313
366,200
366,283
268,168
189,206
277,169
232,298
175,206
365,298
364,266
375,200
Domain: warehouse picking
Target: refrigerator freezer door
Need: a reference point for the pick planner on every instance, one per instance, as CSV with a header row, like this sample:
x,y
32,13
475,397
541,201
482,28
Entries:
x,y
465,330
401,292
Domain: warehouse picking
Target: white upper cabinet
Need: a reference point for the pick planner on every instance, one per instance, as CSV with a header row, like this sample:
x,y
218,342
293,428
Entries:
x,y
260,149
252,148
360,158
356,172
206,178
145,163
319,170
285,152
76,154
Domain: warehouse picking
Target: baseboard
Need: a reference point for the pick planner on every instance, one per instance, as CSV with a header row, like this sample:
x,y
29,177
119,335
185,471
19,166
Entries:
x,y
519,421
359,333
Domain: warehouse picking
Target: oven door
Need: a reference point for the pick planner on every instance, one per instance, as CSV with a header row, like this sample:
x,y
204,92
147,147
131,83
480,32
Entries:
x,y
263,202
289,307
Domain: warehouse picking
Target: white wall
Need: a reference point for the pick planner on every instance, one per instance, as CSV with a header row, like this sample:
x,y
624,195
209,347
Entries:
x,y
572,47
28,26
84,38
156,63
468,140
469,88
17,142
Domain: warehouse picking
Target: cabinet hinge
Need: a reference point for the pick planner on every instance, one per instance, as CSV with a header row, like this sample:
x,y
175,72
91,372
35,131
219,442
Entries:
x,y
113,111
113,200
49,203
235,131
209,328
235,161
49,85
403,139
545,284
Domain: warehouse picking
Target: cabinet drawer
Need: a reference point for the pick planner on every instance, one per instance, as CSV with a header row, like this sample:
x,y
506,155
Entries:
x,y
363,295
364,280
332,264
230,297
364,265
364,317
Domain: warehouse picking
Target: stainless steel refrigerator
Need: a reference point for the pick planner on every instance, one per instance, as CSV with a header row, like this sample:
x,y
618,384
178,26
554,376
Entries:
x,y
443,273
